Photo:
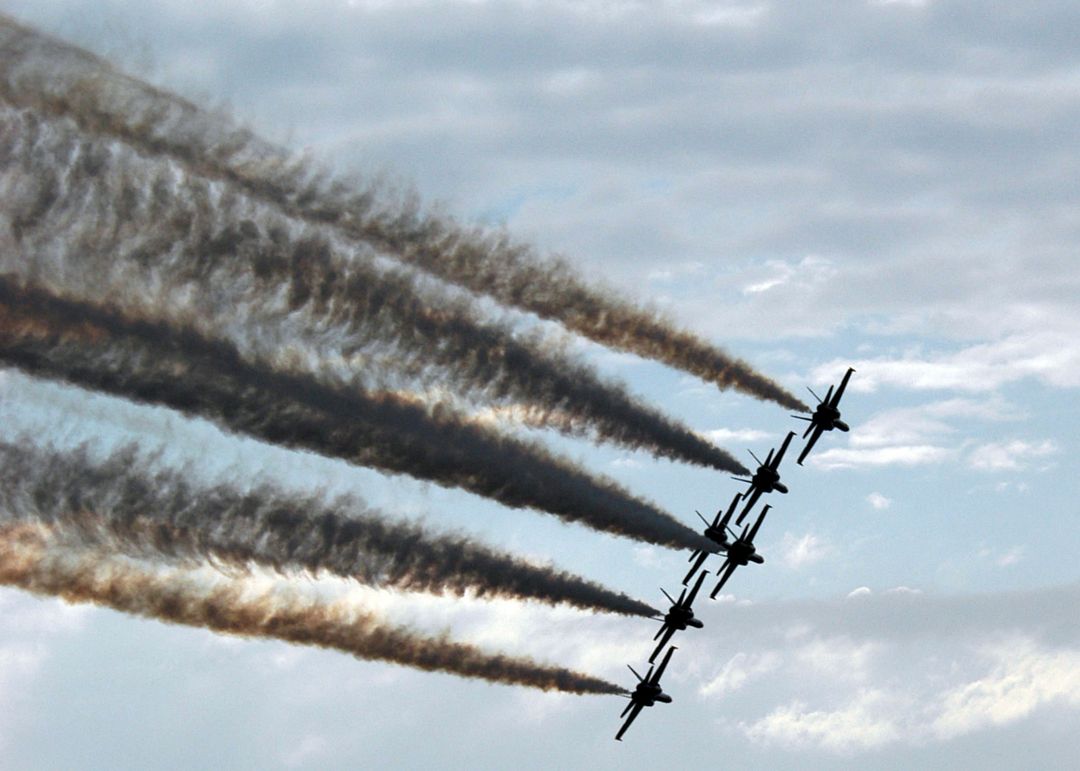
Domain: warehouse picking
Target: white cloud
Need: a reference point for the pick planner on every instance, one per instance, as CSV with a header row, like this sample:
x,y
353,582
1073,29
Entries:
x,y
1003,559
878,501
918,455
1009,456
912,436
27,614
809,270
898,669
1052,356
799,551
903,590
1011,557
838,657
859,725
925,423
647,556
739,670
1024,677
726,436
19,664
307,751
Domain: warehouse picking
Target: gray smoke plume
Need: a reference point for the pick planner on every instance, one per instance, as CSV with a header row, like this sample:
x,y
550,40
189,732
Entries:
x,y
123,504
149,362
96,221
55,78
33,559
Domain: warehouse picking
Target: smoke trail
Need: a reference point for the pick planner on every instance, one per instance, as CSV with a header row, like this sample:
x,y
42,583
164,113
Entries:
x,y
92,218
149,362
58,78
123,505
32,560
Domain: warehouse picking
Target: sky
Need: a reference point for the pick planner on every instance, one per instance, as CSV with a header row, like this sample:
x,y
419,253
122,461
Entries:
x,y
885,185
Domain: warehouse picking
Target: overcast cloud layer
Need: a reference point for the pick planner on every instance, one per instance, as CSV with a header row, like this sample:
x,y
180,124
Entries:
x,y
885,185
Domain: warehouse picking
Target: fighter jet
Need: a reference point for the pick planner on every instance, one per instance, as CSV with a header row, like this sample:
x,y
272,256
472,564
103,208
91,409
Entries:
x,y
742,552
826,416
679,617
716,532
766,478
647,693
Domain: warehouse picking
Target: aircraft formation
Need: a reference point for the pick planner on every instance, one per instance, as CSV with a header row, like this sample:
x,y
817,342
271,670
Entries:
x,y
738,548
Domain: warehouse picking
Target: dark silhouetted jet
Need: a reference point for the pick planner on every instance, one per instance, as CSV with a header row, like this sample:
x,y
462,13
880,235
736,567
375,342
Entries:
x,y
826,416
766,478
679,617
647,693
717,532
741,552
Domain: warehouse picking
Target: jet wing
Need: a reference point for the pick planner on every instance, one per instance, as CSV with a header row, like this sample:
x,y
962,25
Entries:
x,y
783,448
663,628
760,519
697,565
721,523
655,679
694,591
806,450
635,709
730,568
668,632
840,391
755,493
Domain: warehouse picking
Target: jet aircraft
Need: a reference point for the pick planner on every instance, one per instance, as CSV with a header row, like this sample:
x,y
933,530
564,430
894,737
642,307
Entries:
x,y
741,552
646,694
716,532
826,416
765,479
679,617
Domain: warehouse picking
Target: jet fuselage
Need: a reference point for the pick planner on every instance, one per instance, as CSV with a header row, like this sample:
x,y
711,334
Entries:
x,y
717,535
680,618
647,695
742,553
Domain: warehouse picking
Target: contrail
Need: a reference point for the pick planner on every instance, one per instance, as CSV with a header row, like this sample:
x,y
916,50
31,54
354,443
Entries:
x,y
92,218
122,504
149,362
58,78
32,560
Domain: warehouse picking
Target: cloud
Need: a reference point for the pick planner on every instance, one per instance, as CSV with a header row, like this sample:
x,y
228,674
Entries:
x,y
739,670
19,665
307,751
1051,356
898,669
878,501
858,725
809,270
933,432
1003,559
1014,455
1022,678
647,556
918,455
728,436
797,552
927,422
